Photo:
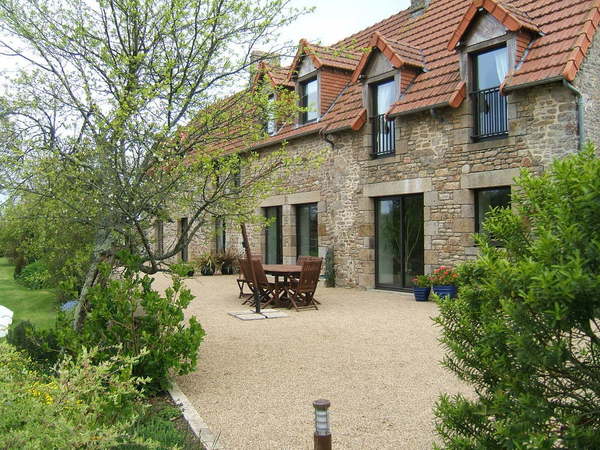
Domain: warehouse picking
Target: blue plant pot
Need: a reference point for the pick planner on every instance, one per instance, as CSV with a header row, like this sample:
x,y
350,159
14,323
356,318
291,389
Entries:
x,y
445,290
421,293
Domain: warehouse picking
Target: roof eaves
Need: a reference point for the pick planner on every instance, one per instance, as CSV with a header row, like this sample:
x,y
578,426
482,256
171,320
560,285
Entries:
x,y
583,42
505,16
286,138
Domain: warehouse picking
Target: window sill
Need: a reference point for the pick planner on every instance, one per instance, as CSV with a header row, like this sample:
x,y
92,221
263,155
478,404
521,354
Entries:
x,y
491,143
375,160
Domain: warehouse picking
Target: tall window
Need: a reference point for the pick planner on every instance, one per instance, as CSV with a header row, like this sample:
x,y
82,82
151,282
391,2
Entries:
x,y
486,199
271,125
160,237
183,232
273,241
384,131
309,99
307,230
221,237
490,112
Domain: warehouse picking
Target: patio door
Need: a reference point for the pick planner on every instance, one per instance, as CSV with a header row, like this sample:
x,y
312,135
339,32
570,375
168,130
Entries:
x,y
399,252
273,244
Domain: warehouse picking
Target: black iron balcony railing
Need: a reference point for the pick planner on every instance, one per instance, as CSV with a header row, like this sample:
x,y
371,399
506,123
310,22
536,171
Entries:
x,y
490,114
384,136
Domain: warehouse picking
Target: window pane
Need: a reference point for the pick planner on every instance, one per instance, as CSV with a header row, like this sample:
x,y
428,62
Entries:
x,y
310,100
221,236
273,236
414,258
271,125
384,97
490,198
307,239
389,242
492,67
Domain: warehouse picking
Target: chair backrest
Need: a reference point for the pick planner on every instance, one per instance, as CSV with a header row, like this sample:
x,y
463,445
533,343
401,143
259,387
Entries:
x,y
309,277
259,272
303,258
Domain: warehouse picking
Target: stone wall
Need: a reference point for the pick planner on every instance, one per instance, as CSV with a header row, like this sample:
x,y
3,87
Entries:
x,y
588,82
435,157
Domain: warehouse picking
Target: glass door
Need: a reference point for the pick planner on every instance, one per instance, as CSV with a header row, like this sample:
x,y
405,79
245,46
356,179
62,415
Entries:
x,y
399,250
273,247
307,230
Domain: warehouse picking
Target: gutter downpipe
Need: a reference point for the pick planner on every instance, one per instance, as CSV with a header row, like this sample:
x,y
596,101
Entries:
x,y
580,112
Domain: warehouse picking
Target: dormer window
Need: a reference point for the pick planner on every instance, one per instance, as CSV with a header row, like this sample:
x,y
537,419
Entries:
x,y
309,99
271,123
489,105
383,95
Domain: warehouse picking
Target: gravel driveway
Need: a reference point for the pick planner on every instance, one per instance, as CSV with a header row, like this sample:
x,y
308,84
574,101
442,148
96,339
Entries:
x,y
373,354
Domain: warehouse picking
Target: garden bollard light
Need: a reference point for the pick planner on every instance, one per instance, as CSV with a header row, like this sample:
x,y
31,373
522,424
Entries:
x,y
322,429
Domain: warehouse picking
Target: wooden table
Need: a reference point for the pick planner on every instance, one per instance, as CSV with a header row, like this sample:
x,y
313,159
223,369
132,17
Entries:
x,y
285,271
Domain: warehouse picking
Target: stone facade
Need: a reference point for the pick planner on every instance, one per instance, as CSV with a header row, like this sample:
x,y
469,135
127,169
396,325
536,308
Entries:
x,y
434,156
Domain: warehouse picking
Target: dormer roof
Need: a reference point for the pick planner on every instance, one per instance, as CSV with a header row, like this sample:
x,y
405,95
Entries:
x,y
277,76
399,54
337,58
507,14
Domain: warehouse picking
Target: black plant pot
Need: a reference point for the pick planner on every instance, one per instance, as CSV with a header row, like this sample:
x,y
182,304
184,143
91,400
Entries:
x,y
207,270
227,269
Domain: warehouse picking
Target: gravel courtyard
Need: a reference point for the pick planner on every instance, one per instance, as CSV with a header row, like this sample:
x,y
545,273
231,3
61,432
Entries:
x,y
373,354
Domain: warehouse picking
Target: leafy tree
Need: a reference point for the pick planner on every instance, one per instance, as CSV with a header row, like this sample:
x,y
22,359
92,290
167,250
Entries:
x,y
114,119
525,330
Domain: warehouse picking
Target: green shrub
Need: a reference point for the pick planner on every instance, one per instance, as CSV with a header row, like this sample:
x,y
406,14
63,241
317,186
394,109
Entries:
x,y
34,275
88,404
524,330
182,269
129,313
40,345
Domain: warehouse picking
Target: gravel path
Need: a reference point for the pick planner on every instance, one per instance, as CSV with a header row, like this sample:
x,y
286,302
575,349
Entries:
x,y
373,354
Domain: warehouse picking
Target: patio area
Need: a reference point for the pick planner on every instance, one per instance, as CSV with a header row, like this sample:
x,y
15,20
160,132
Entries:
x,y
373,354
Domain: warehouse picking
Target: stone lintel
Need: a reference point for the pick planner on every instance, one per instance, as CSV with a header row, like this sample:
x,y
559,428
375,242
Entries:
x,y
489,178
401,187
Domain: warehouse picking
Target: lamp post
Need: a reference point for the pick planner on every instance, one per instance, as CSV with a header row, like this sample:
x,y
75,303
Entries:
x,y
322,428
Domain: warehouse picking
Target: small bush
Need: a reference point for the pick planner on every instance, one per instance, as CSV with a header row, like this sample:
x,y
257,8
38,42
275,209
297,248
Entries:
x,y
34,275
41,345
88,404
127,312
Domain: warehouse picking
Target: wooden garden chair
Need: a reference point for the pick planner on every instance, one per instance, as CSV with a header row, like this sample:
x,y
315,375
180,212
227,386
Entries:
x,y
302,292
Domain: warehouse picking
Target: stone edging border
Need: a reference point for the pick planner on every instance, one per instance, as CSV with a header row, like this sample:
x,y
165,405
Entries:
x,y
197,424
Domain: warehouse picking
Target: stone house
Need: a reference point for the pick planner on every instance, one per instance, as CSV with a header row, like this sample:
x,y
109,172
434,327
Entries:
x,y
425,119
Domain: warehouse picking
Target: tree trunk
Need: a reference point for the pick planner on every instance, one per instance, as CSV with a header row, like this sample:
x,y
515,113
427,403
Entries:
x,y
103,244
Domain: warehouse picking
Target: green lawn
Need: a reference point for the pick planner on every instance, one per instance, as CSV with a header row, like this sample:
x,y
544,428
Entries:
x,y
38,306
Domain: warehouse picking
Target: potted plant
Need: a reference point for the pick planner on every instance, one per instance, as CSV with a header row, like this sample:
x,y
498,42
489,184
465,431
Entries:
x,y
422,287
182,269
228,259
444,281
206,264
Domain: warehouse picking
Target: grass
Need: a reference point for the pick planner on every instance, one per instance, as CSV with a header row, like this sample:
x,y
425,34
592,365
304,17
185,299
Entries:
x,y
38,306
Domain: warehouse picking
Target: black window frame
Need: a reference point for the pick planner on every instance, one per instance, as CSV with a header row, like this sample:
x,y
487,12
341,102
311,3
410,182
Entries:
x,y
220,234
298,239
278,223
304,100
478,224
486,97
379,121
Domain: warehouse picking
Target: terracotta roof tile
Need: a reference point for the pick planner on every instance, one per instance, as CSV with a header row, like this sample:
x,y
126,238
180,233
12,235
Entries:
x,y
561,32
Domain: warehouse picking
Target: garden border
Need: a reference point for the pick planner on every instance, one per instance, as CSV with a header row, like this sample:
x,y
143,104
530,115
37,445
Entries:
x,y
197,424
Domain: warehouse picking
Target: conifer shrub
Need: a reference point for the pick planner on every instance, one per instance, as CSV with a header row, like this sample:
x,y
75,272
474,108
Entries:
x,y
524,332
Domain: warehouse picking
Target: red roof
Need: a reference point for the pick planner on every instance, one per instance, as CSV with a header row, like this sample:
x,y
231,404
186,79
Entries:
x,y
561,33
